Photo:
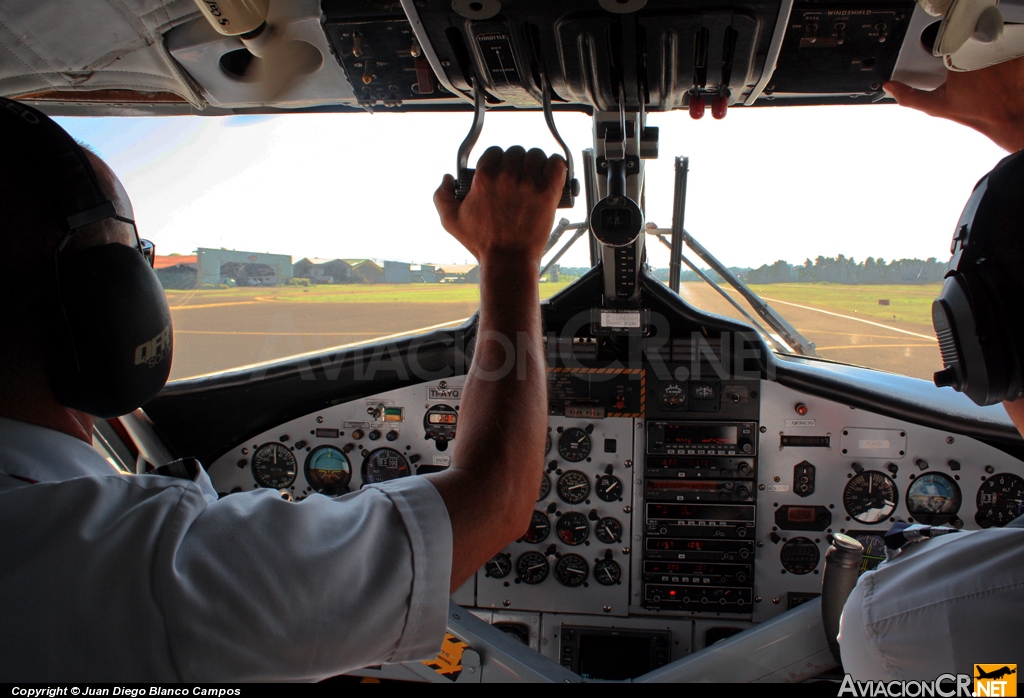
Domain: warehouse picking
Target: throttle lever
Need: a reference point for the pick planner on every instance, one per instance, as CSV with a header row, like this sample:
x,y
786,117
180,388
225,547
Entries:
x,y
464,175
464,178
571,188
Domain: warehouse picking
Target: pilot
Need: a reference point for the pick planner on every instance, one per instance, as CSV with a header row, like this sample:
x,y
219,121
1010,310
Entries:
x,y
950,601
108,577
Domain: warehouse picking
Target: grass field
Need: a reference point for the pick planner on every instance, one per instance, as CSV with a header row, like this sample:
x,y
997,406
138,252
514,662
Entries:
x,y
907,303
347,293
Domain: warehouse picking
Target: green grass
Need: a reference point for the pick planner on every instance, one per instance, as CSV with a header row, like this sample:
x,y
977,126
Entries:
x,y
910,303
346,293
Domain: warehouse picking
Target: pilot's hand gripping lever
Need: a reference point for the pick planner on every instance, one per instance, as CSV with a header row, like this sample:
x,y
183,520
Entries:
x,y
464,175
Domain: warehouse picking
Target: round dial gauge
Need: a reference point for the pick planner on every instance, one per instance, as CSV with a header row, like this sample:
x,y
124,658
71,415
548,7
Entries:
x,y
672,396
572,570
440,421
545,486
933,498
547,444
385,464
607,572
574,445
870,497
1000,500
328,471
274,466
799,555
540,527
608,530
608,488
532,567
874,551
499,566
573,487
573,528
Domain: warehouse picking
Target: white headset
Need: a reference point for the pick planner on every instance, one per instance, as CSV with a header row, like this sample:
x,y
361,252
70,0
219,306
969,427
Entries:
x,y
973,34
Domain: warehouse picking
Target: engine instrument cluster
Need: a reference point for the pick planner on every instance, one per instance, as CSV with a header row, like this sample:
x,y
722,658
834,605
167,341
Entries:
x,y
670,513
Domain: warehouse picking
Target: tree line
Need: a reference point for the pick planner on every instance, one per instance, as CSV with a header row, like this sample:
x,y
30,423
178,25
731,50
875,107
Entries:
x,y
834,270
845,270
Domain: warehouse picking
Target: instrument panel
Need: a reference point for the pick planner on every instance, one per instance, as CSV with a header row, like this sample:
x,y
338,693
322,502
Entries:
x,y
671,517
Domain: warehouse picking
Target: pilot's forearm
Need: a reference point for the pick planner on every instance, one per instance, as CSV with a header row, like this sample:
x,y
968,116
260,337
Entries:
x,y
492,484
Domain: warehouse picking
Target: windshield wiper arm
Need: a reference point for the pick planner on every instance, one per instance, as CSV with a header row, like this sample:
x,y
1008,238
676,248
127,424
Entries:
x,y
793,339
773,339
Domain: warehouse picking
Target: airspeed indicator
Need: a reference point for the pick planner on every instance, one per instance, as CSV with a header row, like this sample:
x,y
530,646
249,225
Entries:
x,y
274,466
870,497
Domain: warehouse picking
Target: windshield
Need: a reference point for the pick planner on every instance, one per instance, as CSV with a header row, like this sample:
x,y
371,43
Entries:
x,y
283,235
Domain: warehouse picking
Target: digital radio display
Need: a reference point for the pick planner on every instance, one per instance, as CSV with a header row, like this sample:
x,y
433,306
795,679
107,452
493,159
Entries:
x,y
706,512
700,434
676,462
442,418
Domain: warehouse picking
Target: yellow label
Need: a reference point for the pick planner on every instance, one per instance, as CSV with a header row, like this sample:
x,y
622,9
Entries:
x,y
995,680
449,661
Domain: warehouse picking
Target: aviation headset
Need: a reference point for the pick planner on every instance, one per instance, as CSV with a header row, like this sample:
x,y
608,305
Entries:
x,y
109,326
978,316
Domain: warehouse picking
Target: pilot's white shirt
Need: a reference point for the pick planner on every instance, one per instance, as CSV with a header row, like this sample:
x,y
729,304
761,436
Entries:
x,y
938,608
107,577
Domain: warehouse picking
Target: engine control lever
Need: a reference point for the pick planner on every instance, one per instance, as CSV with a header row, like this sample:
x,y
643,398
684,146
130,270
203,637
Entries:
x,y
571,188
842,567
464,177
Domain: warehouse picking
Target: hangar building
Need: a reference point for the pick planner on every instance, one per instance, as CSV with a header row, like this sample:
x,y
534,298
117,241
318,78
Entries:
x,y
243,268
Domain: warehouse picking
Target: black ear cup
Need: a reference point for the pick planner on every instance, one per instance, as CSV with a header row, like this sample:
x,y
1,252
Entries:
x,y
978,354
115,354
979,312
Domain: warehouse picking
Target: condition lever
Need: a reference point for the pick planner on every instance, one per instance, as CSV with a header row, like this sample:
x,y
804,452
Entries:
x,y
464,178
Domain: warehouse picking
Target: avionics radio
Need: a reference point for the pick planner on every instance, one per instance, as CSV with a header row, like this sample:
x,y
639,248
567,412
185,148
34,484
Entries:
x,y
698,558
701,438
699,491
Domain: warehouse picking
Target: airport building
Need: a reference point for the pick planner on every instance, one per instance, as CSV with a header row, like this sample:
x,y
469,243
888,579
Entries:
x,y
235,267
323,271
458,274
365,271
407,273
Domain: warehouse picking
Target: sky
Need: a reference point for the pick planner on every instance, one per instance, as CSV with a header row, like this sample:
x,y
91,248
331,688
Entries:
x,y
765,183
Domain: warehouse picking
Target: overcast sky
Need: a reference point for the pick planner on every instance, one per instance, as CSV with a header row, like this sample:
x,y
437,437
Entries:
x,y
765,183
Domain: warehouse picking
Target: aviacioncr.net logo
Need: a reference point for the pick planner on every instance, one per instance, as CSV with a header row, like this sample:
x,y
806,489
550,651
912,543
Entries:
x,y
945,686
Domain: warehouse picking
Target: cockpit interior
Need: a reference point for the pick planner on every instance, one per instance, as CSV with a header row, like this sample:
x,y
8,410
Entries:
x,y
696,465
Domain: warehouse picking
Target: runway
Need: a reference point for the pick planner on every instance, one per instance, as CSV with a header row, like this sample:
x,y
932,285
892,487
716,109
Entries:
x,y
898,347
215,334
210,337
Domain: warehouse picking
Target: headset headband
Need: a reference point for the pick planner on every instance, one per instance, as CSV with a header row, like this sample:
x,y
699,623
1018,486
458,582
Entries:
x,y
78,189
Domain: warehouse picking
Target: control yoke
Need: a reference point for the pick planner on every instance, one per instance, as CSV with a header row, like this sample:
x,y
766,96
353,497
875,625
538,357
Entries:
x,y
464,175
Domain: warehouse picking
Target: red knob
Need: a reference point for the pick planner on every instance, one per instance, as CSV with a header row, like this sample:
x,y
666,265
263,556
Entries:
x,y
719,106
697,106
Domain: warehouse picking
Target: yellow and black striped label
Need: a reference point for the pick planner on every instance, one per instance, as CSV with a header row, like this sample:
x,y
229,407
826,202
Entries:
x,y
449,661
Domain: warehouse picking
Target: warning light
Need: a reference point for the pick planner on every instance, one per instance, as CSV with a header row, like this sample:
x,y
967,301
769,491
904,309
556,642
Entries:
x,y
671,592
801,409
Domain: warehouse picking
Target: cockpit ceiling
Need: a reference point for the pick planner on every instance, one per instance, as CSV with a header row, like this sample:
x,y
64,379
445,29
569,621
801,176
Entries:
x,y
146,57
